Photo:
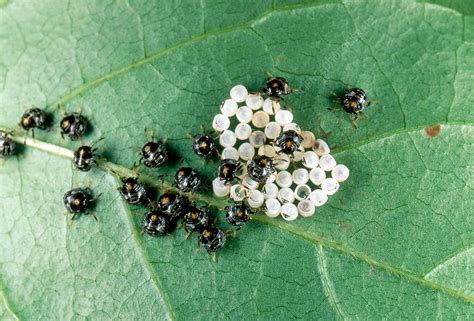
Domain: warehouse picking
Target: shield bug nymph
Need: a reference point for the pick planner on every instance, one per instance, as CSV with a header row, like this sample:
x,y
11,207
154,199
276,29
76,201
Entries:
x,y
84,157
354,100
171,204
211,239
133,192
204,146
157,223
7,145
187,179
276,87
289,142
238,214
195,219
229,170
154,154
260,168
73,126
78,201
33,118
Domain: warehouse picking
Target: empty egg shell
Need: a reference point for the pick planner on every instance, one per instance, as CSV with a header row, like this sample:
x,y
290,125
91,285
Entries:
x,y
330,186
244,114
219,188
318,197
320,147
220,122
230,153
229,107
306,208
273,207
289,211
308,139
227,138
257,138
239,93
340,173
260,119
243,131
254,102
270,106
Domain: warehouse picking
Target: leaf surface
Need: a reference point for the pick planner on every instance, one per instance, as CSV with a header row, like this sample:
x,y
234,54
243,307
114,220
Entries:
x,y
396,240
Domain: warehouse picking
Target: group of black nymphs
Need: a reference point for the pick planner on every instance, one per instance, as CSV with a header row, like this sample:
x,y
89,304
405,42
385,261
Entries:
x,y
162,216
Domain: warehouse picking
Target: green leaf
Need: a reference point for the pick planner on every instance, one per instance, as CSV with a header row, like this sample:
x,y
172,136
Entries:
x,y
395,242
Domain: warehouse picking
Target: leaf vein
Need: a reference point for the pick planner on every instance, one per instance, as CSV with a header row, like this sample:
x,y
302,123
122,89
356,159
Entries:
x,y
147,264
341,248
327,284
85,86
311,237
7,305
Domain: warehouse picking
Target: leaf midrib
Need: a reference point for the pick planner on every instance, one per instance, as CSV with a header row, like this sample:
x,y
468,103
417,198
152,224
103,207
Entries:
x,y
7,304
311,237
326,282
146,261
120,171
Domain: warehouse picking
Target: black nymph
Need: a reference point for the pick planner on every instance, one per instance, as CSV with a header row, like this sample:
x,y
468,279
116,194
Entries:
x,y
195,219
354,100
7,145
78,201
84,158
133,192
154,154
157,223
204,146
73,125
171,204
276,87
212,238
228,170
187,179
237,214
260,168
289,142
33,118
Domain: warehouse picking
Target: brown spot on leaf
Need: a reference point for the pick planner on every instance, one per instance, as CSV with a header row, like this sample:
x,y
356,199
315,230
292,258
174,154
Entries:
x,y
433,131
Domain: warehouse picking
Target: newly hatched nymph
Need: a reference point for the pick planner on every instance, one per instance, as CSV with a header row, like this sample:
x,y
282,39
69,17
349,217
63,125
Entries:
x,y
157,223
195,219
154,154
229,170
212,239
238,214
133,192
204,146
276,87
73,125
33,118
84,158
354,100
289,142
78,201
187,179
7,145
171,204
260,168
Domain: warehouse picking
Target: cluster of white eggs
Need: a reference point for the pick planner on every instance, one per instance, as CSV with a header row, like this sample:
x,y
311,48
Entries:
x,y
248,124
